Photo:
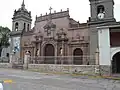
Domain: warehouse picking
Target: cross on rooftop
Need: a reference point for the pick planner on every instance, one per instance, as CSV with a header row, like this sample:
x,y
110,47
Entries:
x,y
50,9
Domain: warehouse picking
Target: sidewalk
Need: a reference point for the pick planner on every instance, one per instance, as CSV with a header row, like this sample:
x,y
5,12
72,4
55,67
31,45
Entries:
x,y
76,75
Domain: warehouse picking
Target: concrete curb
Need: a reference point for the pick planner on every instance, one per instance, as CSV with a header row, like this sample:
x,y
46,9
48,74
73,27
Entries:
x,y
76,74
112,78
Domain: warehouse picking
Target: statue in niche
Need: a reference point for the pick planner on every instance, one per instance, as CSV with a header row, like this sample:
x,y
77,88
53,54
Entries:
x,y
37,52
61,51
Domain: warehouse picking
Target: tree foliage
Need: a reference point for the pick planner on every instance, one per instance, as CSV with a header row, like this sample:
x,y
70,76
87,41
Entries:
x,y
4,37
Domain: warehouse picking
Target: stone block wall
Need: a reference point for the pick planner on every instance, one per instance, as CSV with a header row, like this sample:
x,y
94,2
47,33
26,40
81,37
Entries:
x,y
105,70
5,65
79,69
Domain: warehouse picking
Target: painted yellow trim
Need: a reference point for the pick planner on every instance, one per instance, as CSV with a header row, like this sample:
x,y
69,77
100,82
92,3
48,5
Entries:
x,y
7,81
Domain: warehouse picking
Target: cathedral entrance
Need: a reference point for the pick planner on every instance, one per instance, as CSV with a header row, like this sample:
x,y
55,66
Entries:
x,y
78,56
49,54
116,63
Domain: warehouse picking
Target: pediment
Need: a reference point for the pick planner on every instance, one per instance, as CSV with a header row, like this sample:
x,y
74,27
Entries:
x,y
49,25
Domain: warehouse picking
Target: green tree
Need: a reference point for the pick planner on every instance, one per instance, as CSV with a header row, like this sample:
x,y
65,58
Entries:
x,y
4,38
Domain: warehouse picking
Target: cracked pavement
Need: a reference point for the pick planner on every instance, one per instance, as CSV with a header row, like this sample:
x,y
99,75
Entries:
x,y
28,80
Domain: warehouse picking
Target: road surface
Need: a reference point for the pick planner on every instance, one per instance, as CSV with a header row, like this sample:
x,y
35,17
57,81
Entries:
x,y
27,80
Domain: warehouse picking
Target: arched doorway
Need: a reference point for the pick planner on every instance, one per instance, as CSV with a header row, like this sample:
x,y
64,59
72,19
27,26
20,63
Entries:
x,y
78,56
49,54
116,63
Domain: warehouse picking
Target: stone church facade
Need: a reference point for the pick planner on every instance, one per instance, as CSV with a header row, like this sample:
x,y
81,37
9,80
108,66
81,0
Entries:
x,y
54,34
57,35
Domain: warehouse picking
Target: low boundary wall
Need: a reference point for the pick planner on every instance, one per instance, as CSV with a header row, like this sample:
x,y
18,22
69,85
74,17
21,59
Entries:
x,y
5,65
80,69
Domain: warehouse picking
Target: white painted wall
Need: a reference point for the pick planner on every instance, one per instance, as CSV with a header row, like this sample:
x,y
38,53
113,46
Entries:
x,y
104,46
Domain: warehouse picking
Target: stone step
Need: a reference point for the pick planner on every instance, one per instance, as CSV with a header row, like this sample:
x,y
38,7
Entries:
x,y
20,66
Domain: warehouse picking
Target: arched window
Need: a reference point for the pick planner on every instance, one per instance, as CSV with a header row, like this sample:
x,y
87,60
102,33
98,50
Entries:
x,y
100,9
28,27
16,26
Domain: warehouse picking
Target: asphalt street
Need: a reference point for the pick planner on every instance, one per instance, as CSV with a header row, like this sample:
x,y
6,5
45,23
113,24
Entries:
x,y
27,80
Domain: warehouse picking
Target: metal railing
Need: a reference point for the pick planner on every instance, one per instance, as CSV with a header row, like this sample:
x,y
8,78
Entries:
x,y
77,60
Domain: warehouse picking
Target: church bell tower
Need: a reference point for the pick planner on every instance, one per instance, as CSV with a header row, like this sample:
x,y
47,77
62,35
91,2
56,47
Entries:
x,y
21,22
21,19
102,11
102,14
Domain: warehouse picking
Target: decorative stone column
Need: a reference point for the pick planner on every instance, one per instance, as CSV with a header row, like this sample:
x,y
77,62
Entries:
x,y
56,52
97,68
40,48
12,59
26,60
34,50
97,56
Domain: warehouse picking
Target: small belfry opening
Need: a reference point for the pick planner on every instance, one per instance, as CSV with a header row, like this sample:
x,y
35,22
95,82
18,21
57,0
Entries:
x,y
100,9
16,26
24,27
28,27
116,63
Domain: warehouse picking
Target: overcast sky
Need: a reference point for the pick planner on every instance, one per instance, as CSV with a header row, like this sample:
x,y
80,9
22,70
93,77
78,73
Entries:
x,y
79,9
